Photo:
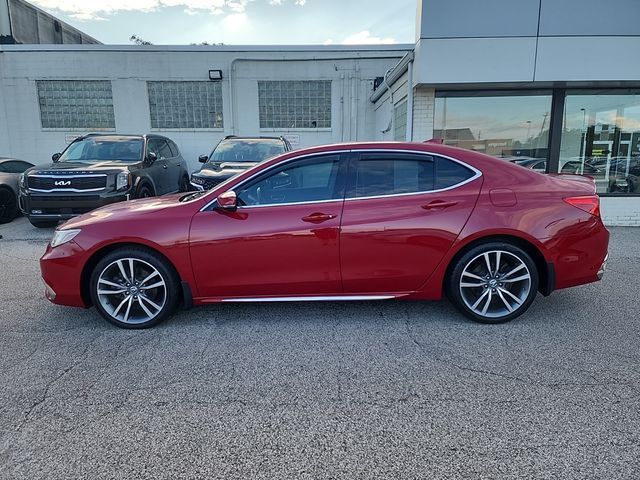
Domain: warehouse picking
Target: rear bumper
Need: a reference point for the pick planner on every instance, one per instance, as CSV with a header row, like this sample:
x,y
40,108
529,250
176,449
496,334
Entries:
x,y
63,207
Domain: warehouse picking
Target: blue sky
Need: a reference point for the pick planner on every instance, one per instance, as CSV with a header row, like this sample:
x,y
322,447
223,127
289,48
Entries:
x,y
257,22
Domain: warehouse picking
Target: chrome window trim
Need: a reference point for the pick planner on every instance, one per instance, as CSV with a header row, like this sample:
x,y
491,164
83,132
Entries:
x,y
477,174
246,207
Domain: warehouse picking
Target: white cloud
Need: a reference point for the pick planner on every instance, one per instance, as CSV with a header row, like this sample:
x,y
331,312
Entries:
x,y
300,3
365,38
97,10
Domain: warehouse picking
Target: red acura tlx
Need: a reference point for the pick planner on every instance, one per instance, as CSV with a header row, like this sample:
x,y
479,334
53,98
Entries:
x,y
359,221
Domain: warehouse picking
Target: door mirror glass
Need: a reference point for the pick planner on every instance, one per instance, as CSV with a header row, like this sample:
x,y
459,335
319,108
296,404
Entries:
x,y
55,157
228,201
203,158
151,157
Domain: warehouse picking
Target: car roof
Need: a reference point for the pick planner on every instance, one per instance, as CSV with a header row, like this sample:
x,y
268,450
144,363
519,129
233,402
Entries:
x,y
233,137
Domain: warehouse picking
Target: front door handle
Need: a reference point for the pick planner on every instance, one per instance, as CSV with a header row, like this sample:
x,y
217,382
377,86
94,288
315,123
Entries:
x,y
438,204
318,217
165,166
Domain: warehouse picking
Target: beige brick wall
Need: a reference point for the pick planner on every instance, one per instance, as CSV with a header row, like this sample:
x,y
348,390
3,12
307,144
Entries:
x,y
423,110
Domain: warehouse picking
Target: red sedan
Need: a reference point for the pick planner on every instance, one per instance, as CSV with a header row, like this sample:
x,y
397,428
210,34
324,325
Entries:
x,y
361,221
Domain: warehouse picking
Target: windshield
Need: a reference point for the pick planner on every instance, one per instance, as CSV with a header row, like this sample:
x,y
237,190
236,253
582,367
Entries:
x,y
246,150
104,148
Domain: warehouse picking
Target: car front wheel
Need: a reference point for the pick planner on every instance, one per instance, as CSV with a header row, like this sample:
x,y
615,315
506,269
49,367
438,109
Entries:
x,y
134,288
493,282
8,205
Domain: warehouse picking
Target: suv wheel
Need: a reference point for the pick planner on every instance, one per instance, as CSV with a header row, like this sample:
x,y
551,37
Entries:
x,y
144,192
493,282
8,205
184,185
134,288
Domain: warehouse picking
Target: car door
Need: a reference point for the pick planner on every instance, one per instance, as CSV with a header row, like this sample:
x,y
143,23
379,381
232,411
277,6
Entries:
x,y
283,239
173,170
159,169
402,213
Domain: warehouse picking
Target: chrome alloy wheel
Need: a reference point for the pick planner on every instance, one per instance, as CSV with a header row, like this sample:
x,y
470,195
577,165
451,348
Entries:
x,y
495,284
131,290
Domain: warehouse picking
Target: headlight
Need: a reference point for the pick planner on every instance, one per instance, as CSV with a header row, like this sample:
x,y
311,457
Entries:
x,y
63,236
23,181
122,180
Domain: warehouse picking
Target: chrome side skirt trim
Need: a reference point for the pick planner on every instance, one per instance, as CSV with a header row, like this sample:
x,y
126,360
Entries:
x,y
335,298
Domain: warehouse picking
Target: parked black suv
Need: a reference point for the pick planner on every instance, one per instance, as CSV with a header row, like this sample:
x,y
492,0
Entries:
x,y
99,169
234,155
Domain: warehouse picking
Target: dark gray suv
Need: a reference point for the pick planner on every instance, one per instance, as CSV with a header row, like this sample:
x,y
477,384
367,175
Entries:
x,y
97,170
234,155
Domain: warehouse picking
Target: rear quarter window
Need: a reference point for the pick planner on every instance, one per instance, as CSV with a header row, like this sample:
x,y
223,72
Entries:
x,y
450,173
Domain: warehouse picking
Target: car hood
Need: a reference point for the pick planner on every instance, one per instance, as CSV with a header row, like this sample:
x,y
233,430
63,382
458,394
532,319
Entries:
x,y
64,167
216,168
126,210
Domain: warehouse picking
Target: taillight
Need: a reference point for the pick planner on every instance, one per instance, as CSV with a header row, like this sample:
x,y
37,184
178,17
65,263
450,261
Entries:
x,y
588,203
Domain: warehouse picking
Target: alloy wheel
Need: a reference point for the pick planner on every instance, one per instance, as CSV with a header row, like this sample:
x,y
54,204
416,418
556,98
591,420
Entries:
x,y
131,291
495,284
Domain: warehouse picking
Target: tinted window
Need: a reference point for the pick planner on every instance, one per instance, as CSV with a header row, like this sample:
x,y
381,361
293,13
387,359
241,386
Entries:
x,y
381,175
103,148
246,150
174,149
14,167
449,173
160,148
309,180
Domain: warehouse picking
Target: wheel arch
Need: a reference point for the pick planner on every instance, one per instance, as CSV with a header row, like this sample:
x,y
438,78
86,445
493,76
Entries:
x,y
546,271
95,257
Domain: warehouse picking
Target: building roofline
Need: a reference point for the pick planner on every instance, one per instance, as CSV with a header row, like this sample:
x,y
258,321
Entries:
x,y
399,47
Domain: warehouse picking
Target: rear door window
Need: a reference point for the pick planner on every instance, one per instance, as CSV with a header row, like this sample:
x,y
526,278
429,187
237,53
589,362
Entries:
x,y
381,174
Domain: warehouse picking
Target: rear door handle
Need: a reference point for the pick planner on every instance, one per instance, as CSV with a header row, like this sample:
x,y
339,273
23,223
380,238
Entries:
x,y
318,217
438,204
165,166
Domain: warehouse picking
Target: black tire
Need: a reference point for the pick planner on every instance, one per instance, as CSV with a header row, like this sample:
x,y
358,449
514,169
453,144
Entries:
x,y
43,223
500,289
8,205
144,191
185,186
135,302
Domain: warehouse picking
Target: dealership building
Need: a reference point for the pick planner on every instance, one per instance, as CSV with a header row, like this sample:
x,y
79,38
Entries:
x,y
552,85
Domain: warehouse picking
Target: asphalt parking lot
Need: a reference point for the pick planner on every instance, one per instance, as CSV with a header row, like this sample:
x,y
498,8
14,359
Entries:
x,y
331,390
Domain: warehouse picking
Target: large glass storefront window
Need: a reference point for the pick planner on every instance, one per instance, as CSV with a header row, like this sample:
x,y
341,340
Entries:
x,y
601,138
513,126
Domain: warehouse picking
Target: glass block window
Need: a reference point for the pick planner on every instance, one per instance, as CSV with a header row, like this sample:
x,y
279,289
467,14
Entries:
x,y
400,121
86,104
295,104
185,104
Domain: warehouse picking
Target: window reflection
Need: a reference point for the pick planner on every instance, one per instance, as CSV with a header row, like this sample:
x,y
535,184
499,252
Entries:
x,y
601,138
508,126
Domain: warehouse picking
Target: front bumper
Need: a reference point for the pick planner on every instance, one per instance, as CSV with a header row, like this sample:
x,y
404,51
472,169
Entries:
x,y
61,270
208,182
62,207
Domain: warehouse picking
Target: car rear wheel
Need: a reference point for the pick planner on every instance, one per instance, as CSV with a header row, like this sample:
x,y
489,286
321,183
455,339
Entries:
x,y
493,282
184,185
8,205
134,288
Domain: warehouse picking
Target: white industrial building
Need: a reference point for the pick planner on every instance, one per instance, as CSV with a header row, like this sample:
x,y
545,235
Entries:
x,y
554,84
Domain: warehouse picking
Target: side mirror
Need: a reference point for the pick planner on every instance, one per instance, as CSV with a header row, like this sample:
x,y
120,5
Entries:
x,y
228,201
203,158
151,157
56,156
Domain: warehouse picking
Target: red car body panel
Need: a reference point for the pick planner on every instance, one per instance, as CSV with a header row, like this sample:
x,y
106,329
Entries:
x,y
390,246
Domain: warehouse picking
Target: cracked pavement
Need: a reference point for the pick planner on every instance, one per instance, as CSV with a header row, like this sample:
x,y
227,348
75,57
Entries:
x,y
321,390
